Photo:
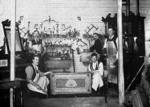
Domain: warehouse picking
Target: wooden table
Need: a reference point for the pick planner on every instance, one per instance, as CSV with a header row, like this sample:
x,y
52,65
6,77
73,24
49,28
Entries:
x,y
6,84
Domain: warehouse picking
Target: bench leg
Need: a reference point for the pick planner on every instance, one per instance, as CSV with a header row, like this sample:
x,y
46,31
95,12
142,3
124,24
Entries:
x,y
106,88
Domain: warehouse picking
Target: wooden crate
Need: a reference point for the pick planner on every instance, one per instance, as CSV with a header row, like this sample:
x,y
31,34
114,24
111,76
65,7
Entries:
x,y
70,83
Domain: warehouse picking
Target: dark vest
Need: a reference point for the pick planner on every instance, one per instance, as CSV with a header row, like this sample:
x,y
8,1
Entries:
x,y
34,72
114,40
91,67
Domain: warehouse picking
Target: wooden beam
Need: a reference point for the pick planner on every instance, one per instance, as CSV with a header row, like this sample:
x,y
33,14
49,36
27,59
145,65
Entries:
x,y
128,7
120,54
138,8
13,32
12,52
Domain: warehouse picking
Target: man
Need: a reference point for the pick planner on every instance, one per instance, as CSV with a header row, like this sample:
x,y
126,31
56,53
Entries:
x,y
96,68
98,44
36,45
37,81
111,46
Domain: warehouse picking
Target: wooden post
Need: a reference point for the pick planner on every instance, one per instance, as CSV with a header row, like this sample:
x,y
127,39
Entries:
x,y
138,8
12,52
128,7
120,54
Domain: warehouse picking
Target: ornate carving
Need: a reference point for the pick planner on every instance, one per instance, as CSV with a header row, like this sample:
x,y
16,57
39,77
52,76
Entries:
x,y
71,83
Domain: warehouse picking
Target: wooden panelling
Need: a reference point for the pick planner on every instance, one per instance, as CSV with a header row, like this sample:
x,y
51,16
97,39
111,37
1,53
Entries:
x,y
70,83
63,11
66,12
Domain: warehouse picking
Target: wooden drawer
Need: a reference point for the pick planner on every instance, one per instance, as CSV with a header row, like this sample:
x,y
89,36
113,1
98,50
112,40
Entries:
x,y
70,83
57,64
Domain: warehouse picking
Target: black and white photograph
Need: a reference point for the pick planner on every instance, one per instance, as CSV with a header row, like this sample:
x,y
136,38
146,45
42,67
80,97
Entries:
x,y
75,53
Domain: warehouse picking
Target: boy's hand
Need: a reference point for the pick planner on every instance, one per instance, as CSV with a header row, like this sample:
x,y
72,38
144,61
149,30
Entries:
x,y
38,87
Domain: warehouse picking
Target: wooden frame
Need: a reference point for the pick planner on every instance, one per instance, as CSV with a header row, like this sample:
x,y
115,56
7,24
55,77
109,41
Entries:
x,y
70,83
7,33
4,61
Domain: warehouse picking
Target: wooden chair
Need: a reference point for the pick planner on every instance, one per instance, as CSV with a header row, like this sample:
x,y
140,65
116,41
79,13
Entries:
x,y
17,90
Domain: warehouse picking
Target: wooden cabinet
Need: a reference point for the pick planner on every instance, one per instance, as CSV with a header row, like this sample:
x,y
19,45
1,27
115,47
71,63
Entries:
x,y
70,83
59,54
133,32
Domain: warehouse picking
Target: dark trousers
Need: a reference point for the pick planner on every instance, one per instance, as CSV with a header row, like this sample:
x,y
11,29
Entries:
x,y
36,94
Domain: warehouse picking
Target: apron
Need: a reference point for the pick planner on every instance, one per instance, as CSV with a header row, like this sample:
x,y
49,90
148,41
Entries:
x,y
96,78
111,62
41,81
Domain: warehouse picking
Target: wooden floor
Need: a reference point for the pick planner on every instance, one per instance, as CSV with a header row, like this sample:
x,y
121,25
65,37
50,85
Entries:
x,y
71,102
75,101
87,100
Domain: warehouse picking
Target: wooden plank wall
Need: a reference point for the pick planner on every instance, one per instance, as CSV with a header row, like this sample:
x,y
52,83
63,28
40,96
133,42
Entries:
x,y
66,12
63,11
